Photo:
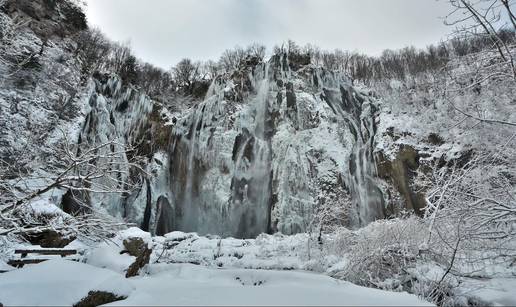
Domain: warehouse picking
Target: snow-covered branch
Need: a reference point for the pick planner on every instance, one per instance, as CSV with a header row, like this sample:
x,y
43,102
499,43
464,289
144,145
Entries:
x,y
106,168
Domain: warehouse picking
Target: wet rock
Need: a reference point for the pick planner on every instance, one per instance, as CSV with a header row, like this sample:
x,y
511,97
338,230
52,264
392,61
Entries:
x,y
351,101
165,218
97,298
292,105
75,203
123,106
242,141
141,260
148,207
134,246
400,172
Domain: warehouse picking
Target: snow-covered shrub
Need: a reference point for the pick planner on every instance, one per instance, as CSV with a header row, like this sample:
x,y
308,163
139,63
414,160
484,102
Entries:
x,y
382,252
471,215
43,216
391,255
461,123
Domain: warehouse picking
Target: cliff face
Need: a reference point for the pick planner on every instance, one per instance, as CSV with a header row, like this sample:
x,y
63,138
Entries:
x,y
266,151
275,146
42,98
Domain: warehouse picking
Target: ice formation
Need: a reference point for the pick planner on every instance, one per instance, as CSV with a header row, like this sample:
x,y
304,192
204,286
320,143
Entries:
x,y
265,150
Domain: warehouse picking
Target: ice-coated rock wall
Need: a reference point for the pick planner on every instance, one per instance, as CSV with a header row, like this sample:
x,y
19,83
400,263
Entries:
x,y
266,150
268,161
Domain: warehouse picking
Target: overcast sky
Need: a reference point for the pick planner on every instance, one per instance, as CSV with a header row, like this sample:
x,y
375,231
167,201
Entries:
x,y
163,32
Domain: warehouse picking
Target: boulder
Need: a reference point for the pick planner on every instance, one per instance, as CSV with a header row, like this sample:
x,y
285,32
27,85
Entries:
x,y
49,239
97,298
134,246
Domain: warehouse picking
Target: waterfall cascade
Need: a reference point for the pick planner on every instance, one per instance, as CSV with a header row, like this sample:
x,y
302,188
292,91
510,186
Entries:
x,y
362,178
261,153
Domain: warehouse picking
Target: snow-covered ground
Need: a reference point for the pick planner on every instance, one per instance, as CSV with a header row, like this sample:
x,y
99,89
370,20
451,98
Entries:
x,y
58,283
188,269
185,284
62,282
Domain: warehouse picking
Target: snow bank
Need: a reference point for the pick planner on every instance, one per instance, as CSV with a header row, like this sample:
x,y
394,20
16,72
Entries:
x,y
134,232
189,285
107,256
58,283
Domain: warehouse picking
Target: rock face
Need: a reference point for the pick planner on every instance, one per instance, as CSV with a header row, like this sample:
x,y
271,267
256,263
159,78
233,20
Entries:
x,y
266,149
400,173
267,162
270,145
48,17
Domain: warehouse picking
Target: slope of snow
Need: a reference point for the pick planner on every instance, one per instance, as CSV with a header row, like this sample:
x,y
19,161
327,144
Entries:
x,y
189,285
61,282
58,283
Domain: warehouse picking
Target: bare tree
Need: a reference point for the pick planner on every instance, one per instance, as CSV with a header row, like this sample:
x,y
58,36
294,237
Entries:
x,y
119,52
100,169
94,49
212,69
231,58
186,73
483,18
478,197
507,4
256,50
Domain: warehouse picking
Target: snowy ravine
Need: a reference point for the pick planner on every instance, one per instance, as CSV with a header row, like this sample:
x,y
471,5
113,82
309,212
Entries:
x,y
265,150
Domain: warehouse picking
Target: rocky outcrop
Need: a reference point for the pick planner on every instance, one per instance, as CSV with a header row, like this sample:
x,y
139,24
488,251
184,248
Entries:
x,y
400,173
73,202
136,247
49,17
254,163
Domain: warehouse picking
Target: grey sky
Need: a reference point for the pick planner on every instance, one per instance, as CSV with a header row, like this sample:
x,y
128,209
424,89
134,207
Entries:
x,y
164,31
